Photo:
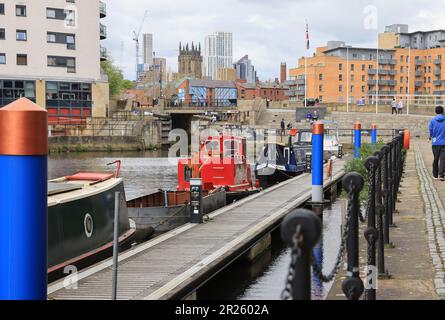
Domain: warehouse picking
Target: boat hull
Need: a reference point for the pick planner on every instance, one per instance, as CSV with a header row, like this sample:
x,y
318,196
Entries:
x,y
81,230
163,219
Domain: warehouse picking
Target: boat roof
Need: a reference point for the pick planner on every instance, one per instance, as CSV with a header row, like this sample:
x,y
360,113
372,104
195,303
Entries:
x,y
78,186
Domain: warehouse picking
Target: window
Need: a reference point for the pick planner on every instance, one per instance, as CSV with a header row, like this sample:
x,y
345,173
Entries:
x,y
401,79
58,14
20,11
352,67
320,88
340,88
22,59
21,35
363,78
2,34
51,37
320,77
340,77
352,88
68,62
352,77
340,67
2,58
401,58
2,8
363,89
363,67
64,38
11,90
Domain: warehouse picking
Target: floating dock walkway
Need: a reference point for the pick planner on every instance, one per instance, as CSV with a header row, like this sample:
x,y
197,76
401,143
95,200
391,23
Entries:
x,y
175,264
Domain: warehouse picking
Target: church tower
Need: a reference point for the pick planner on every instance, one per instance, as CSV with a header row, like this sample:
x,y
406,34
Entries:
x,y
190,61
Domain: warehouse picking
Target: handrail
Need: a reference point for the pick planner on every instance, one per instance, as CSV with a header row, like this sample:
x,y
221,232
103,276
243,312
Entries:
x,y
300,228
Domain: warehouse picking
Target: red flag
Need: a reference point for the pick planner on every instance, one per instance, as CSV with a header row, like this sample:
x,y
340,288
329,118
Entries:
x,y
307,36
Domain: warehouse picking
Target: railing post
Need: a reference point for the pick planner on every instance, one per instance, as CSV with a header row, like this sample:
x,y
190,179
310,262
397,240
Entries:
x,y
353,285
301,231
117,198
371,233
383,273
374,134
317,162
23,201
357,139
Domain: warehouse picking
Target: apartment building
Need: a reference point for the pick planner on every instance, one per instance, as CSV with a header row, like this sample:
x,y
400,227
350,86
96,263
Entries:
x,y
50,52
218,53
409,67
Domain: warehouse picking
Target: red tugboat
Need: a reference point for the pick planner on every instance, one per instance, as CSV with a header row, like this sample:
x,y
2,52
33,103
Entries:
x,y
221,162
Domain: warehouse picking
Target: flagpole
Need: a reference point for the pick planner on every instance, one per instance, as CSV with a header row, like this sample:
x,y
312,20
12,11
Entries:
x,y
377,87
347,79
408,70
305,81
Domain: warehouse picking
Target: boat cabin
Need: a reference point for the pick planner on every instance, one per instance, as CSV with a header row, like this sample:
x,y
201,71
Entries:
x,y
221,162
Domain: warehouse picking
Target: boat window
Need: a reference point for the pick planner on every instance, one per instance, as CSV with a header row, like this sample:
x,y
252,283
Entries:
x,y
287,155
231,148
212,146
187,173
330,140
306,137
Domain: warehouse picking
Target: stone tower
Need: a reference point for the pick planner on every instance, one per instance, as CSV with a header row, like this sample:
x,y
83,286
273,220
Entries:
x,y
190,61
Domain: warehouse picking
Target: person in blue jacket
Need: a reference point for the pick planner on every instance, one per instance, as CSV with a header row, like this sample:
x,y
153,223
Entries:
x,y
437,136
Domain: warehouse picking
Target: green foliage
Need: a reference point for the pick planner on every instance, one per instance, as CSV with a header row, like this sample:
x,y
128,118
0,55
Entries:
x,y
358,165
116,79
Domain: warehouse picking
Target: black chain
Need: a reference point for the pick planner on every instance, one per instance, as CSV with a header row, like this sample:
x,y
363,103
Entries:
x,y
318,270
296,254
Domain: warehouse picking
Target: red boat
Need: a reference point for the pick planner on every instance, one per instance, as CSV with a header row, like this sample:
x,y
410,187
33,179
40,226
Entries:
x,y
221,162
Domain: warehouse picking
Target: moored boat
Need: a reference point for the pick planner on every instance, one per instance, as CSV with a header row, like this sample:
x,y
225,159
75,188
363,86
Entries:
x,y
164,210
80,221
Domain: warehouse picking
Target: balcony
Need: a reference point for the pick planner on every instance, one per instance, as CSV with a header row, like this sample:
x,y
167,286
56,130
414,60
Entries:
x,y
419,62
103,54
437,83
103,32
418,83
294,93
437,61
439,93
295,82
383,93
387,61
437,72
102,9
418,73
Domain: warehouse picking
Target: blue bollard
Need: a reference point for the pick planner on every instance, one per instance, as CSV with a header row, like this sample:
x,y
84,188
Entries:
x,y
374,134
317,162
23,201
357,139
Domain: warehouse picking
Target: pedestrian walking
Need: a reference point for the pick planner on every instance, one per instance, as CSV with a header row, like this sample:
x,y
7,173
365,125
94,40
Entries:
x,y
437,136
283,127
400,106
394,106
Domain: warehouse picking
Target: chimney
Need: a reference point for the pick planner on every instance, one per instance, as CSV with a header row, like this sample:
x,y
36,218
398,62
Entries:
x,y
283,73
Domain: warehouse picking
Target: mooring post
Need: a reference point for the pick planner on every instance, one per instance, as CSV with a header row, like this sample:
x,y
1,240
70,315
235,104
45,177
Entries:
x,y
117,198
353,286
374,134
317,162
301,231
23,201
357,139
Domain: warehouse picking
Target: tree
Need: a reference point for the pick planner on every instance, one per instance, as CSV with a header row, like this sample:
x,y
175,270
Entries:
x,y
116,79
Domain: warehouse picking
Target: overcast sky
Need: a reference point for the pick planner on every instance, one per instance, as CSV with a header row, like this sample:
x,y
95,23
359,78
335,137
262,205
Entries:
x,y
270,31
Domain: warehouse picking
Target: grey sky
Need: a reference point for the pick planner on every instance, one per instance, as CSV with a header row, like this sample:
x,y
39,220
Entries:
x,y
269,31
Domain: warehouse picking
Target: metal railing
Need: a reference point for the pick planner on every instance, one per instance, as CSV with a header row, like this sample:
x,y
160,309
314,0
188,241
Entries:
x,y
301,229
201,103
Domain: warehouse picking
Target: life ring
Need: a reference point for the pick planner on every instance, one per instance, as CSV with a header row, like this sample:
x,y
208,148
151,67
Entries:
x,y
406,139
88,225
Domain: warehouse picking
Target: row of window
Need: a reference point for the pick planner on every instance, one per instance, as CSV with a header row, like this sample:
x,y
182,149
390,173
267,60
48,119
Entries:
x,y
52,37
53,61
58,94
51,13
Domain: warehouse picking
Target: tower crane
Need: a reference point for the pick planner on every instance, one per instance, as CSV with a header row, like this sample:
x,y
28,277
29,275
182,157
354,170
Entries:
x,y
136,39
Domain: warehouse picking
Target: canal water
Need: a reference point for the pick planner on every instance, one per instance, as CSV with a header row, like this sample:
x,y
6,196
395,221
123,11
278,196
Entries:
x,y
265,279
143,172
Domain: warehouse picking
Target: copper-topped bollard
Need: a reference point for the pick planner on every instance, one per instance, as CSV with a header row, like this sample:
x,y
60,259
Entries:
x,y
23,201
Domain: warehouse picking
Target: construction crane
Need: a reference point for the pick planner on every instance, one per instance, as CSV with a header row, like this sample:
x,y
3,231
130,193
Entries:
x,y
136,39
